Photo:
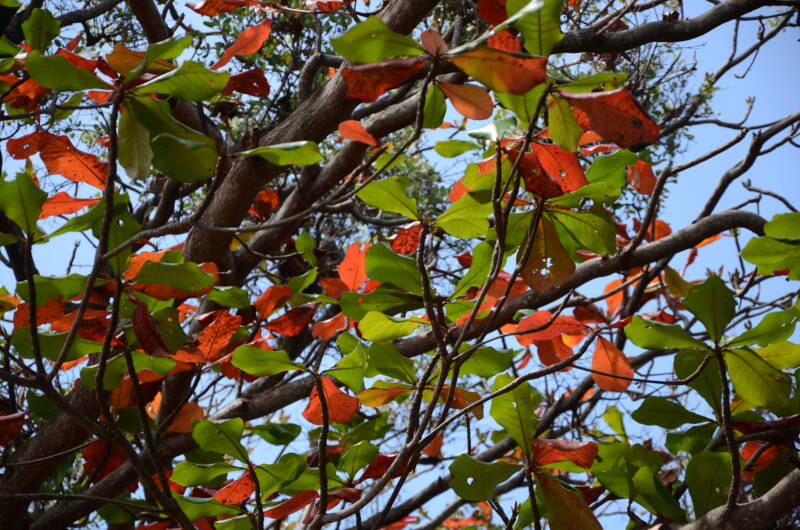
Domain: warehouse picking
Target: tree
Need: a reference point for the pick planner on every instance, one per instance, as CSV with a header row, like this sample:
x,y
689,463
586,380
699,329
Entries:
x,y
290,312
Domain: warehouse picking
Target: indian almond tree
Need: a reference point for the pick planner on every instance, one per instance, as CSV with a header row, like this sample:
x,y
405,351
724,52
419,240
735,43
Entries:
x,y
394,264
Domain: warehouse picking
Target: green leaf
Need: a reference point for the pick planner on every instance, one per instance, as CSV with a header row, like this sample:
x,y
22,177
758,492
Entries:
x,y
221,437
372,40
261,362
774,327
665,413
655,497
384,358
191,82
781,355
385,266
184,160
707,384
779,249
713,304
692,440
487,362
599,192
434,109
466,218
356,457
473,480
165,49
784,226
40,406
566,510
708,476
377,327
524,106
478,270
21,201
62,114
157,118
591,230
453,148
196,508
389,195
514,411
658,336
59,74
541,29
561,124
351,368
7,239
240,522
302,153
230,296
614,419
756,381
190,474
277,433
185,277
48,287
602,81
611,168
274,477
40,29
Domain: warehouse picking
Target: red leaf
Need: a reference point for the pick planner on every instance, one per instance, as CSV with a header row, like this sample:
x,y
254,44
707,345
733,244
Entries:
x,y
76,60
402,523
750,427
560,165
237,491
333,287
252,82
656,230
434,449
353,268
27,145
266,202
465,259
406,240
46,313
327,328
561,324
62,204
762,462
589,314
288,507
74,41
341,407
147,331
433,42
62,158
614,301
367,82
293,322
536,180
273,298
501,71
492,11
101,459
353,130
249,41
380,466
212,8
10,427
506,41
616,116
472,102
324,6
548,451
214,339
26,95
610,360
185,419
552,351
641,177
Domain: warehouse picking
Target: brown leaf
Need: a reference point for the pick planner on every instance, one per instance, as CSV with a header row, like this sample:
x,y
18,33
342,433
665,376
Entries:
x,y
367,82
292,505
252,82
472,102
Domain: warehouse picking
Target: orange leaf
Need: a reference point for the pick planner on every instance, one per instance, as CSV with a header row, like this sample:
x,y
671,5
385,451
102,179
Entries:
x,y
367,82
27,145
10,427
433,42
212,8
266,202
561,166
656,230
537,181
214,339
184,420
548,451
62,204
375,397
123,60
552,351
434,449
324,6
288,507
333,287
492,11
641,177
353,268
46,313
353,130
561,324
501,71
252,82
406,240
616,116
273,298
614,301
472,102
380,465
62,158
101,459
505,41
236,491
610,360
327,328
341,407
248,42
293,322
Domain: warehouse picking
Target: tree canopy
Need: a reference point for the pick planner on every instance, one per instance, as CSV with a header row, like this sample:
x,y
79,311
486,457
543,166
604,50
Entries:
x,y
388,264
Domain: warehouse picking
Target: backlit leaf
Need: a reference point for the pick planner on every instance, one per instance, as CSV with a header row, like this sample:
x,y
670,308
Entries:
x,y
470,101
473,480
610,360
353,130
383,43
548,264
341,407
368,82
56,72
191,82
389,195
566,510
247,42
301,153
501,71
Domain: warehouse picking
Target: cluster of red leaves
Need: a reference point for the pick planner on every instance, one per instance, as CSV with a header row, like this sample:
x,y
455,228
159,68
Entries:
x,y
100,459
60,157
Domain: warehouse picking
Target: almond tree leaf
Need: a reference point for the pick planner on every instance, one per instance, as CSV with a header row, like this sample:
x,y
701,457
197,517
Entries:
x,y
353,269
221,437
261,362
389,195
123,61
385,266
406,240
135,153
292,505
470,101
57,73
293,322
212,8
40,29
492,11
566,510
756,381
190,474
213,340
708,476
301,153
147,331
376,397
473,480
341,407
665,413
610,360
368,82
548,264
252,82
21,201
562,324
515,411
62,158
561,124
713,304
641,177
11,427
541,28
371,40
502,71
247,42
433,42
191,82
353,130
547,451
326,329
377,327
616,116
184,420
560,165
466,218
236,491
272,299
